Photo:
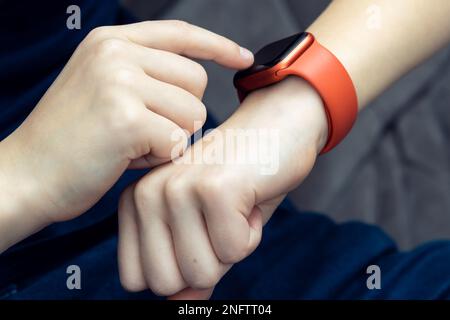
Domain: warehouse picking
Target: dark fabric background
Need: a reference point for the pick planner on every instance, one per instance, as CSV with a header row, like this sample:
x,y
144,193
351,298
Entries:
x,y
394,168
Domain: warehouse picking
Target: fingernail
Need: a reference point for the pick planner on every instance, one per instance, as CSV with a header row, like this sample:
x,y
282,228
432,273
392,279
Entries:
x,y
246,54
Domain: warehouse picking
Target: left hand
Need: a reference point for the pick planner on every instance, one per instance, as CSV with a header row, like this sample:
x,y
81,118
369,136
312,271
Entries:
x,y
182,226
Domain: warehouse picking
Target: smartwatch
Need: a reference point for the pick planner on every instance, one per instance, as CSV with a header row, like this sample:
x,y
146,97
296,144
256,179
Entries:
x,y
301,55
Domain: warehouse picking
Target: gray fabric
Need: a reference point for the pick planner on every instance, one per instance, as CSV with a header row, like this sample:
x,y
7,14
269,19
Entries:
x,y
393,169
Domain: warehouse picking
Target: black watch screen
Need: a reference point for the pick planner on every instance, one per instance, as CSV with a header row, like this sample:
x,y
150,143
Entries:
x,y
272,54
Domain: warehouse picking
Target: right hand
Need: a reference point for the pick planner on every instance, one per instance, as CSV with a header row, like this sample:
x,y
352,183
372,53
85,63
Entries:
x,y
114,106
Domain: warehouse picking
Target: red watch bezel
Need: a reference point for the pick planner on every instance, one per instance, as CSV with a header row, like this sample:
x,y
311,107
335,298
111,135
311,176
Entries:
x,y
314,63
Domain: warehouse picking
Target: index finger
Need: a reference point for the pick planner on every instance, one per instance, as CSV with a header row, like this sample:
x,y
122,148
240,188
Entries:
x,y
188,40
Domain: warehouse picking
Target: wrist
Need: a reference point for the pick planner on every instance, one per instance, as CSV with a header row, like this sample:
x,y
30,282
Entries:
x,y
297,108
295,111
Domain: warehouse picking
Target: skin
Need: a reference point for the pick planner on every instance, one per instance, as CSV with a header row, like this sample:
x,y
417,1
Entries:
x,y
186,224
122,94
183,226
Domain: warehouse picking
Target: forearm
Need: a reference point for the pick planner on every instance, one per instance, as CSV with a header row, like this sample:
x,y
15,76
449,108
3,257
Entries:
x,y
374,59
16,223
380,40
20,202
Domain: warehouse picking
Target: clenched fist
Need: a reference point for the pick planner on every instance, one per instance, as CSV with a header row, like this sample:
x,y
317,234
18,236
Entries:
x,y
184,224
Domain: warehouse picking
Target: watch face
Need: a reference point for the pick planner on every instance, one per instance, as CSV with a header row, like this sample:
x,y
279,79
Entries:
x,y
272,54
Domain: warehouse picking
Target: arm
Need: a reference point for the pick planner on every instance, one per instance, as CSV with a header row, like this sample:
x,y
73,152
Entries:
x,y
379,41
215,211
20,211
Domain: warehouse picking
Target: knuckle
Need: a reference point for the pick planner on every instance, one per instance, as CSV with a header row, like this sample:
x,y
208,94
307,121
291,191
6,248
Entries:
x,y
131,283
123,118
98,33
204,278
180,25
164,287
235,250
183,31
109,48
211,186
141,195
122,77
201,76
174,189
196,117
200,114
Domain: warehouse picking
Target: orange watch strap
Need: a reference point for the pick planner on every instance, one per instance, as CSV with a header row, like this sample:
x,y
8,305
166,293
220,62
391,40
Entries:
x,y
328,76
